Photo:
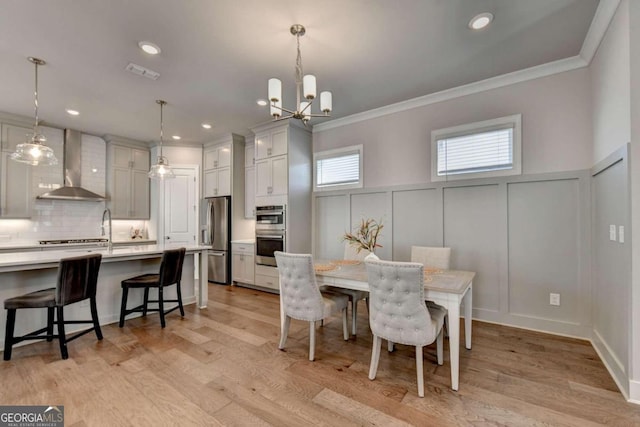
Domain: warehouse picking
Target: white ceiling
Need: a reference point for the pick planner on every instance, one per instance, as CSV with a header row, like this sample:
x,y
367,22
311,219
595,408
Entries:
x,y
217,56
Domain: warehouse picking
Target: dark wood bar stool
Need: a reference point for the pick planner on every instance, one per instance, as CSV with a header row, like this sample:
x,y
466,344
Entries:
x,y
77,281
170,274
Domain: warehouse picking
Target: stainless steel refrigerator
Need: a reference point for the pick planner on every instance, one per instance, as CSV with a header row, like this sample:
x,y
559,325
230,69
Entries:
x,y
218,235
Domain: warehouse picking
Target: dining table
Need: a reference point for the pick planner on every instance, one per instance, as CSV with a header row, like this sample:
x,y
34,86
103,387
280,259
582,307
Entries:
x,y
448,288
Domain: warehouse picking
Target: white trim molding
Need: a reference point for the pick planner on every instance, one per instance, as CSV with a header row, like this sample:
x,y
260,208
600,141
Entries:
x,y
598,28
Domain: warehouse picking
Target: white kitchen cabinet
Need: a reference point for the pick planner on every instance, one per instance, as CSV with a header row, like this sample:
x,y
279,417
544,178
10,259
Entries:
x,y
271,143
218,156
15,177
272,176
267,277
250,192
128,182
15,188
243,263
249,155
217,182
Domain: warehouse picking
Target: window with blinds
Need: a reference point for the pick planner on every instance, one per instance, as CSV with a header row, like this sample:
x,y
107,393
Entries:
x,y
337,169
484,149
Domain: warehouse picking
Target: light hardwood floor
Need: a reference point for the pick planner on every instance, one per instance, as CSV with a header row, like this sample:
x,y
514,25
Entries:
x,y
221,366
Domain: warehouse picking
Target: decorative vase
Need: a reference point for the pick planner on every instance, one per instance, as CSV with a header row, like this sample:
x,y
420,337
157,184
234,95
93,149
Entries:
x,y
372,257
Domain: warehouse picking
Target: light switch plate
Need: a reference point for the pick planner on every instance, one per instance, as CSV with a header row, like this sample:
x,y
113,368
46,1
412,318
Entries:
x,y
612,232
554,299
621,234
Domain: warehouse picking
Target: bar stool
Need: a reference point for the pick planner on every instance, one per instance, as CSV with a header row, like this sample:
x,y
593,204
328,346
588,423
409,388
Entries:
x,y
170,274
77,281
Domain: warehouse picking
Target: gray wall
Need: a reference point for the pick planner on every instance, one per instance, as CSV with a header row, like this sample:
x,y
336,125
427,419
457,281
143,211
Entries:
x,y
524,237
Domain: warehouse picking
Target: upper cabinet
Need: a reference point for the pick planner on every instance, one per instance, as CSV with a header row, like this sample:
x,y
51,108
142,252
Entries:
x,y
127,180
15,177
271,143
217,170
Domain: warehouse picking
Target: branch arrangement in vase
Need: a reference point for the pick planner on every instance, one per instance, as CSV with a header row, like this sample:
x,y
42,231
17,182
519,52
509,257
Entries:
x,y
365,236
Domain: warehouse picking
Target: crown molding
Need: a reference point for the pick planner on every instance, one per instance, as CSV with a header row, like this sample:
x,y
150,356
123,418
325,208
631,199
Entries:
x,y
536,72
597,30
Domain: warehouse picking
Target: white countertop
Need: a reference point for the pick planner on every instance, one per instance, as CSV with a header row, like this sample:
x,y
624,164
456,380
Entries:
x,y
16,261
245,241
27,244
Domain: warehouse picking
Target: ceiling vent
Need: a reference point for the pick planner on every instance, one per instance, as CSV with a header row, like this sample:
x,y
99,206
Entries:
x,y
141,71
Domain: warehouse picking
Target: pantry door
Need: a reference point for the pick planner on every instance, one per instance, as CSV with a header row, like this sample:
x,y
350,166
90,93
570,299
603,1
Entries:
x,y
180,210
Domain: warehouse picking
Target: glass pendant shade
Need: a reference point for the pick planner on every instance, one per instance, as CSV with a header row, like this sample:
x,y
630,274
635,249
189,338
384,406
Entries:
x,y
305,108
275,90
276,109
309,86
325,102
33,151
161,170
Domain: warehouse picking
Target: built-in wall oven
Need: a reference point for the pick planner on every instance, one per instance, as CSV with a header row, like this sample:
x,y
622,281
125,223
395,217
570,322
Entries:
x,y
270,233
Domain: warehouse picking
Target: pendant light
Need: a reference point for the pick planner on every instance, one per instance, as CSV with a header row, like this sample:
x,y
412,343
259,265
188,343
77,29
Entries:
x,y
33,151
161,170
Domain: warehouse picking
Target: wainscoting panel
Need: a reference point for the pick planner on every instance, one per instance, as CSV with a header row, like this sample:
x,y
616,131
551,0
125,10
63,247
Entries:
x,y
332,220
611,260
544,227
471,228
417,221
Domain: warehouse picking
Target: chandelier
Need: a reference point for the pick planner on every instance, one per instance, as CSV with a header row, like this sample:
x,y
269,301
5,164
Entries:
x,y
161,170
306,84
33,151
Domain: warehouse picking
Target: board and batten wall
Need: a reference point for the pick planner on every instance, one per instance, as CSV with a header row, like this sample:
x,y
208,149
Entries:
x,y
525,236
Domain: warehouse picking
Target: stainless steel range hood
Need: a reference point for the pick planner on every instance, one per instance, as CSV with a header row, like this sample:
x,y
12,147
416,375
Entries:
x,y
72,165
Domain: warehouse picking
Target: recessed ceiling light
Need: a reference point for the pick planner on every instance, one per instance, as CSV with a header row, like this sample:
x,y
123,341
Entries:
x,y
150,48
480,21
72,112
176,137
206,125
261,102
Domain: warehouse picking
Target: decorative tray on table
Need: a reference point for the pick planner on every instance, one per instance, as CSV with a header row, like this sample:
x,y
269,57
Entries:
x,y
345,262
324,267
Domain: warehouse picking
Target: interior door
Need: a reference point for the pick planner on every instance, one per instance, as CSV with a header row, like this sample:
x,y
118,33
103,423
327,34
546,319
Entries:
x,y
180,211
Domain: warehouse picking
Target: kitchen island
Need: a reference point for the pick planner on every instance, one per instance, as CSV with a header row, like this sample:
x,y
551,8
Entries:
x,y
24,272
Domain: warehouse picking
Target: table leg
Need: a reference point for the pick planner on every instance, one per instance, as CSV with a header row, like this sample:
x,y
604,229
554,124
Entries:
x,y
454,342
468,312
203,295
282,316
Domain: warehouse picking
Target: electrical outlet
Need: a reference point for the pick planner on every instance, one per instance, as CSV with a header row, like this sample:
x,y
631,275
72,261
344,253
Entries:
x,y
612,232
554,299
621,234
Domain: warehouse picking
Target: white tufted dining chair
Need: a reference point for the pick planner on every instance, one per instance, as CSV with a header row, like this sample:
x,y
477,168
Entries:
x,y
302,299
353,294
398,313
432,257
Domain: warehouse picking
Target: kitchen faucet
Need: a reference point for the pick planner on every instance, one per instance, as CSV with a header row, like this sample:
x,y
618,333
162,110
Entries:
x,y
106,212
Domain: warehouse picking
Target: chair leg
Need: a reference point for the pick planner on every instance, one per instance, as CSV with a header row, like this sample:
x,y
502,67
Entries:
x,y
375,357
146,302
419,371
8,336
94,317
440,347
312,340
345,325
354,316
446,324
285,332
179,292
50,314
61,335
163,323
390,346
123,305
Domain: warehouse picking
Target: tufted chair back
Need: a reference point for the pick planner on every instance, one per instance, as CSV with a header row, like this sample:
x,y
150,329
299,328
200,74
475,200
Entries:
x,y
300,294
397,310
433,257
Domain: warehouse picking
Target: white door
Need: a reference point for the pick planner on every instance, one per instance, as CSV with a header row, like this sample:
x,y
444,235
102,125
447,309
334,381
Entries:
x,y
180,211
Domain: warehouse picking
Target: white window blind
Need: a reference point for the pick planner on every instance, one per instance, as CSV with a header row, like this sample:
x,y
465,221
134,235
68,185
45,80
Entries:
x,y
344,169
336,169
476,152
